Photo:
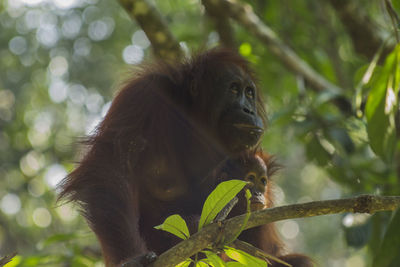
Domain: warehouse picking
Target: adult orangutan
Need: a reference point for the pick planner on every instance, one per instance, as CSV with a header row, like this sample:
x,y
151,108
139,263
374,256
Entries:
x,y
166,130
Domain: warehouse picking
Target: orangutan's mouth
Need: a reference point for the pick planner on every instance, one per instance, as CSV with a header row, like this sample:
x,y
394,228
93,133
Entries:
x,y
249,127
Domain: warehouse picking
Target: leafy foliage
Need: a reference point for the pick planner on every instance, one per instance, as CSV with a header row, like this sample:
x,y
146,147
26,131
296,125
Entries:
x,y
382,106
218,199
388,253
214,203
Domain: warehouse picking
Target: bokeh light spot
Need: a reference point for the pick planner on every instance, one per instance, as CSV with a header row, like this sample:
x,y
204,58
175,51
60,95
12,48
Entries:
x,y
101,29
41,217
18,45
36,188
31,163
348,220
47,35
58,66
54,174
290,229
245,49
32,2
65,4
67,212
58,91
82,46
133,54
139,38
10,204
72,26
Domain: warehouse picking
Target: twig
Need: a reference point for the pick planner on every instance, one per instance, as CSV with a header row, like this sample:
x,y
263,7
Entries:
x,y
206,237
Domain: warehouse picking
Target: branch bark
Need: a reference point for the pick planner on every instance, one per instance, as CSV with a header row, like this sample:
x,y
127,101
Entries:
x,y
163,42
244,15
222,24
209,234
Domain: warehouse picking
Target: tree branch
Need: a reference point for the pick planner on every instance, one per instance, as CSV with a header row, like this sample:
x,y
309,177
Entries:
x,y
209,234
244,15
222,24
154,25
363,32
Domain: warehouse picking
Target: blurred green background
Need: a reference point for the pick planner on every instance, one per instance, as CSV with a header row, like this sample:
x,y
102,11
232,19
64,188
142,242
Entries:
x,y
61,62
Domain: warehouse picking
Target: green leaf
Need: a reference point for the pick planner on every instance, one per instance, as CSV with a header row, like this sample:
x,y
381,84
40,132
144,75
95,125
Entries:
x,y
214,259
218,199
33,261
234,264
381,107
389,249
174,224
14,261
201,264
184,263
244,258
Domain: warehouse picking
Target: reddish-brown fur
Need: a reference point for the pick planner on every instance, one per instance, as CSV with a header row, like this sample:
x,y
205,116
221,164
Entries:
x,y
148,156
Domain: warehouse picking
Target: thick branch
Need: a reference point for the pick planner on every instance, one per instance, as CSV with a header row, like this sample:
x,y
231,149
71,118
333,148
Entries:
x,y
222,24
244,15
208,235
153,24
